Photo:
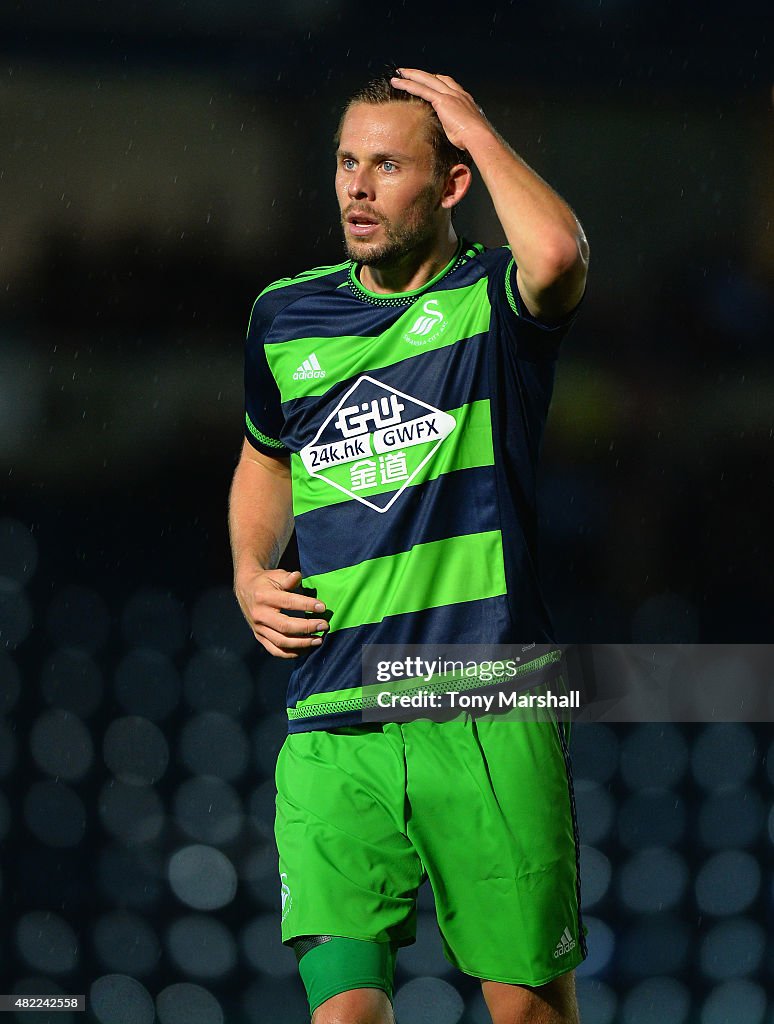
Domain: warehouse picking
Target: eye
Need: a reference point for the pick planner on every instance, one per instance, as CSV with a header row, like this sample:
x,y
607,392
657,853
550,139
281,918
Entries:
x,y
389,166
348,163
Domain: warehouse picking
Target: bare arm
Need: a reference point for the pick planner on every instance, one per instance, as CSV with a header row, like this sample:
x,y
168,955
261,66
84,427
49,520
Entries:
x,y
548,243
260,525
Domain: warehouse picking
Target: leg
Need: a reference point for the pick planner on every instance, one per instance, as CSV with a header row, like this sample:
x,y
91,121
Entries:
x,y
358,1006
553,1003
347,981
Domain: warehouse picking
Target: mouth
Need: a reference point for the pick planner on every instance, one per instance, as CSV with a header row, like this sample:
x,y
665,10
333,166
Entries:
x,y
361,225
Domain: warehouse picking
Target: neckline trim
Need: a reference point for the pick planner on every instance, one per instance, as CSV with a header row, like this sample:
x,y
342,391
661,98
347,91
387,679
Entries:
x,y
398,298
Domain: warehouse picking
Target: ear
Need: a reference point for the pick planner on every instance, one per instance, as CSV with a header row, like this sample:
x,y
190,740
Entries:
x,y
458,182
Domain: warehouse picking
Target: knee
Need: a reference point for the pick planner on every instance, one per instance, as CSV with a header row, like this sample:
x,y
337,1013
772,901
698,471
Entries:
x,y
359,1006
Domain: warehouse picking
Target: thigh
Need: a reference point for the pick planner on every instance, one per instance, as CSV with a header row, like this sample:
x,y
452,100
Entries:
x,y
347,867
493,820
552,1003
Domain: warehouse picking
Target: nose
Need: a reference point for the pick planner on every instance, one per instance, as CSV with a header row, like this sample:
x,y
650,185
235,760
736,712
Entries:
x,y
359,185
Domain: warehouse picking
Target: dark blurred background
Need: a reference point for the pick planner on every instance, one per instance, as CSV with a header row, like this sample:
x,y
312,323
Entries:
x,y
160,163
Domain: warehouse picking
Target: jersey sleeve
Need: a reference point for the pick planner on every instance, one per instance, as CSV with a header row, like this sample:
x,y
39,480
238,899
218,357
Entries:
x,y
263,406
534,339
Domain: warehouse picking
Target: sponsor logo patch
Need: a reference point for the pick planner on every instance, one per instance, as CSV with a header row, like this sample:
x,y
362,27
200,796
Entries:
x,y
375,442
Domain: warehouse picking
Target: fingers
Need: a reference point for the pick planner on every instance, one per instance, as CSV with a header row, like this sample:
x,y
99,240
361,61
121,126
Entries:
x,y
266,597
280,597
283,646
439,83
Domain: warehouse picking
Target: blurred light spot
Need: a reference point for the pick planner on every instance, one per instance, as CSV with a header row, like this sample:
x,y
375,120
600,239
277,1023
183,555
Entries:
x,y
601,946
131,877
268,737
209,809
61,745
429,1000
263,803
203,878
78,617
735,1002
597,1002
262,949
15,614
425,957
125,942
265,1001
71,680
727,689
18,551
653,880
218,681
665,619
218,624
155,620
258,870
201,946
55,814
37,985
655,945
214,744
732,949
476,1011
119,999
133,814
135,751
8,749
185,1003
651,817
10,683
654,755
655,1001
147,684
596,873
728,883
724,755
731,818
594,751
47,942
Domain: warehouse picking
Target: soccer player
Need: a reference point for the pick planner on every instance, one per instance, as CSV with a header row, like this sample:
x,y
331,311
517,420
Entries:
x,y
395,404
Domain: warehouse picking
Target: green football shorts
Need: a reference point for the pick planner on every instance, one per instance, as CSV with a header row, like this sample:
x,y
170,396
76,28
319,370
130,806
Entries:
x,y
482,806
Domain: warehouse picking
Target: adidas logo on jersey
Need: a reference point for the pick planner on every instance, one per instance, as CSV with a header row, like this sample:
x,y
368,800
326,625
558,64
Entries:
x,y
565,944
310,369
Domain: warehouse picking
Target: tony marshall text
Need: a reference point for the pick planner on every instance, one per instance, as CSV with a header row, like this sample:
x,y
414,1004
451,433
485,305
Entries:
x,y
479,701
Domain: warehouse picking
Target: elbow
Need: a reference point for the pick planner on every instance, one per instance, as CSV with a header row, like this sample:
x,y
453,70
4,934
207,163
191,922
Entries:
x,y
563,264
565,257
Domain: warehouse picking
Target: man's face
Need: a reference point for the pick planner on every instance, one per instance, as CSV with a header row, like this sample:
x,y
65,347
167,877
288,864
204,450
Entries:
x,y
386,183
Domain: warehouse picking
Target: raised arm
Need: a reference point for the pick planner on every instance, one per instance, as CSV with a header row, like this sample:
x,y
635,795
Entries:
x,y
547,241
260,525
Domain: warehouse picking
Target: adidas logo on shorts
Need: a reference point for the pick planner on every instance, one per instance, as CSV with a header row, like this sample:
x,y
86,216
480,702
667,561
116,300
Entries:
x,y
565,944
310,369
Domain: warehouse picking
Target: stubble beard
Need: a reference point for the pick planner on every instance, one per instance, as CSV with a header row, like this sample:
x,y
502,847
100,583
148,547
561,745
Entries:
x,y
414,233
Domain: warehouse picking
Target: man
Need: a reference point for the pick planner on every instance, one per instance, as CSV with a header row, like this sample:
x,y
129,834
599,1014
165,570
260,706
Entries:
x,y
395,405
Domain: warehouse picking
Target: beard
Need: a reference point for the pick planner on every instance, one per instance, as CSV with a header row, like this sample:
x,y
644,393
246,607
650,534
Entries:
x,y
413,232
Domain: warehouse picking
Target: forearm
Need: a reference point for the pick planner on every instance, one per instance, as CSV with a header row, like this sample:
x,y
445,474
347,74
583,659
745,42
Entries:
x,y
260,515
547,240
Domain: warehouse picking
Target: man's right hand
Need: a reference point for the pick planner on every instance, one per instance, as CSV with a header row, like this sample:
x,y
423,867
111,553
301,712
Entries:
x,y
264,596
